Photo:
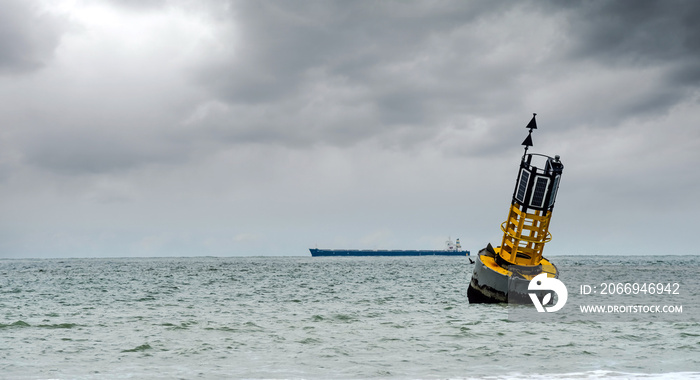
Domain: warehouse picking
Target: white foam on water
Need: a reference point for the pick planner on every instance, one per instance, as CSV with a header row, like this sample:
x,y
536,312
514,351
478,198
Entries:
x,y
592,375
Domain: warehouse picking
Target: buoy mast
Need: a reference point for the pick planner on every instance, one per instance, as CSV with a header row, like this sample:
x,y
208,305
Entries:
x,y
526,230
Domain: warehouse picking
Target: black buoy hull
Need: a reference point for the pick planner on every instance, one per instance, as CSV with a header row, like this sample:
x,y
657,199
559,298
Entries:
x,y
492,283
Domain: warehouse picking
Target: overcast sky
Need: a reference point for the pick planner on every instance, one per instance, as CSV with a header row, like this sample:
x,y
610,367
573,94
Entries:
x,y
226,128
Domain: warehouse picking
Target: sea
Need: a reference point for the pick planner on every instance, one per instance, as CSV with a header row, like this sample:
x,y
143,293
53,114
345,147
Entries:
x,y
323,318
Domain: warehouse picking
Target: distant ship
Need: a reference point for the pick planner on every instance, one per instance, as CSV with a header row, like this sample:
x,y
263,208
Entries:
x,y
451,249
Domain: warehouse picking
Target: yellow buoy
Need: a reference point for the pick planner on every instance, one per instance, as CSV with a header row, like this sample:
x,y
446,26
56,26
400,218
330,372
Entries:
x,y
502,274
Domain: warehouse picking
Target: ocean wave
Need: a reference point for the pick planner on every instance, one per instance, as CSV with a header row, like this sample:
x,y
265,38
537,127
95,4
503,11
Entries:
x,y
591,375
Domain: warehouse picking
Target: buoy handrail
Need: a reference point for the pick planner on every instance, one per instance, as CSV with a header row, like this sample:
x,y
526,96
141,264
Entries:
x,y
527,164
528,239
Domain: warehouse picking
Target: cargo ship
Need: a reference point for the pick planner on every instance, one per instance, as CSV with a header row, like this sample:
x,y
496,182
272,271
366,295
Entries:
x,y
451,249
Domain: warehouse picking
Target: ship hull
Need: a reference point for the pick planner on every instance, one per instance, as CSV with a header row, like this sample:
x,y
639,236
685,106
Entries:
x,y
358,252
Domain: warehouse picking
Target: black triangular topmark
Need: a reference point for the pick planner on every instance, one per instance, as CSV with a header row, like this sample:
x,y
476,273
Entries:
x,y
532,124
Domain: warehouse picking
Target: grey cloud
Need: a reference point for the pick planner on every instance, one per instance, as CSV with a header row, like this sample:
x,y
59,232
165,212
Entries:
x,y
270,118
409,63
299,74
639,60
280,41
646,32
643,31
305,73
92,151
28,38
140,4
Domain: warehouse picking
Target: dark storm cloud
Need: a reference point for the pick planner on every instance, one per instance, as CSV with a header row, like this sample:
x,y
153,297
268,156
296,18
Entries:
x,y
153,120
402,72
382,65
644,33
28,37
280,43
